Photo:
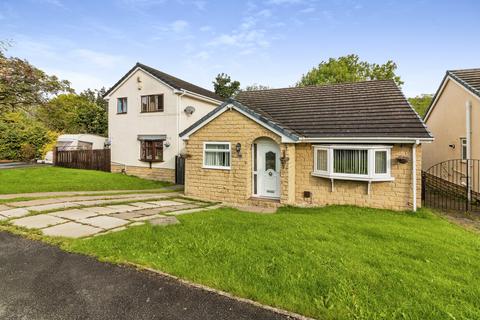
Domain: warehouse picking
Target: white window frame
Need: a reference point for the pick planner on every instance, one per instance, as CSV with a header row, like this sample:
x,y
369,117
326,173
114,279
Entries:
x,y
370,176
229,150
463,144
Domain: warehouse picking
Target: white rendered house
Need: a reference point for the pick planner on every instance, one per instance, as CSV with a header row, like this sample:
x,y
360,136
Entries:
x,y
147,109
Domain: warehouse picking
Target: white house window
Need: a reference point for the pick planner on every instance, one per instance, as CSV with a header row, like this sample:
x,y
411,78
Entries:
x,y
463,143
321,159
348,161
357,162
380,162
216,155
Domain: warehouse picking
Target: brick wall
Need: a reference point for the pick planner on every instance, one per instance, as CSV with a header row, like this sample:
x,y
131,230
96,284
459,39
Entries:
x,y
161,174
395,195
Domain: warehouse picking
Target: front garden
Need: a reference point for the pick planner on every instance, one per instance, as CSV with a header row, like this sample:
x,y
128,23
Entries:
x,y
332,263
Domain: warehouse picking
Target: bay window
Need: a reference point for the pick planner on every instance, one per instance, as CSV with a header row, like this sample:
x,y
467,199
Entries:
x,y
357,162
216,155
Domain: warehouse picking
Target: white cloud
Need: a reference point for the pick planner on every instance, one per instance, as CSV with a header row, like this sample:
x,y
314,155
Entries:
x,y
142,3
100,59
205,28
179,26
81,81
202,55
200,5
56,3
282,2
308,10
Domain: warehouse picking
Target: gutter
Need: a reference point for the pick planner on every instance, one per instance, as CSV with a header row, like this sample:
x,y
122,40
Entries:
x,y
414,175
366,140
180,94
183,92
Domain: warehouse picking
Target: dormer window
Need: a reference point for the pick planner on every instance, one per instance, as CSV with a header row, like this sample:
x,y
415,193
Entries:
x,y
152,103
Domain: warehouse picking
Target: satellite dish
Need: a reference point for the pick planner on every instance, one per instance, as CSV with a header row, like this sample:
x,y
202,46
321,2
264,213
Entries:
x,y
189,110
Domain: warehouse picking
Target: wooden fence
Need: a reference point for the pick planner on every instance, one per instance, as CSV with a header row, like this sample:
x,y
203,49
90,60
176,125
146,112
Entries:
x,y
83,159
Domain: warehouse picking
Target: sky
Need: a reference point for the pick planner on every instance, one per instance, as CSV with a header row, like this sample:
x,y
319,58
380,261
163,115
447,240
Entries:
x,y
269,42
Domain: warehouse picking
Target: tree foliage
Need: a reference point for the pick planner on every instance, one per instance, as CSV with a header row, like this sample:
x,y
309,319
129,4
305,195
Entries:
x,y
22,136
421,103
23,86
349,69
256,87
71,113
225,87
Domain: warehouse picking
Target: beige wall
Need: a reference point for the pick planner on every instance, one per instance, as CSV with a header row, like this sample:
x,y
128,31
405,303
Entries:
x,y
395,195
447,123
124,128
235,185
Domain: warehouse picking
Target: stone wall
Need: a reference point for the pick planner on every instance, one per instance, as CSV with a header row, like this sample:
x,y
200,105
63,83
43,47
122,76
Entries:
x,y
232,186
161,174
395,195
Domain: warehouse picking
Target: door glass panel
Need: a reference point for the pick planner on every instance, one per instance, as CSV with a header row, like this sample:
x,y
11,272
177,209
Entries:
x,y
270,161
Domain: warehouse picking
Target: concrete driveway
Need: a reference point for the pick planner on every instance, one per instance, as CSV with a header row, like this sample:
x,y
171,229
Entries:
x,y
39,281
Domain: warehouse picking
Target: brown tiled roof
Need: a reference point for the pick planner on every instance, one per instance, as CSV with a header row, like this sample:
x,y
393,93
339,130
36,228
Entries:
x,y
362,109
470,78
171,81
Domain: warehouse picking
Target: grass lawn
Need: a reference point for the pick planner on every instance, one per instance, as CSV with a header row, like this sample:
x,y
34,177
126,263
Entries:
x,y
331,263
44,179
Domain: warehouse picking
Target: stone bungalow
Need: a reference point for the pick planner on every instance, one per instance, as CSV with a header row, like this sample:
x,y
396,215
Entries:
x,y
357,143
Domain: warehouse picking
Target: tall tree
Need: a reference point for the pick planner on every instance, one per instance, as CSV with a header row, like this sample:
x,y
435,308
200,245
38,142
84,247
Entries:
x,y
349,69
225,87
71,113
23,86
421,103
256,87
96,96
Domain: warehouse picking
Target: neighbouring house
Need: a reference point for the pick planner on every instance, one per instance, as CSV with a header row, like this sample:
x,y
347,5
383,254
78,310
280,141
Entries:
x,y
454,119
356,143
80,142
147,109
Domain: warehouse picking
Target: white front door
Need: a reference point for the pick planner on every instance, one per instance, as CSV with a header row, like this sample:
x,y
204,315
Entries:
x,y
267,169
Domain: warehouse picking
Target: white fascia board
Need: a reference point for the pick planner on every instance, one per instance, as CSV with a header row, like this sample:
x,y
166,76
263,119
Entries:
x,y
285,139
365,140
131,74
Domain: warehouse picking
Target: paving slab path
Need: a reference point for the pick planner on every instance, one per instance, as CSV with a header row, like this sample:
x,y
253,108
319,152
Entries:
x,y
39,281
76,193
83,216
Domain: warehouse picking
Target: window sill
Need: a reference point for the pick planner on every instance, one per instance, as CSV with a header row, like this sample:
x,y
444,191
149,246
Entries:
x,y
147,160
121,113
157,111
352,177
216,168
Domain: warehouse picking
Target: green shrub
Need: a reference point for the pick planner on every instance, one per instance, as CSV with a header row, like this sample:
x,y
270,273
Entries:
x,y
22,136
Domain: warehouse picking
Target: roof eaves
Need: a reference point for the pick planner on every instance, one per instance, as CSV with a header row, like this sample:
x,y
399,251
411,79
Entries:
x,y
246,110
435,96
265,120
416,113
463,83
204,118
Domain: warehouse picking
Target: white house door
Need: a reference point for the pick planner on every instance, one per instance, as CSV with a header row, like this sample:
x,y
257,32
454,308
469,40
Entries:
x,y
267,169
